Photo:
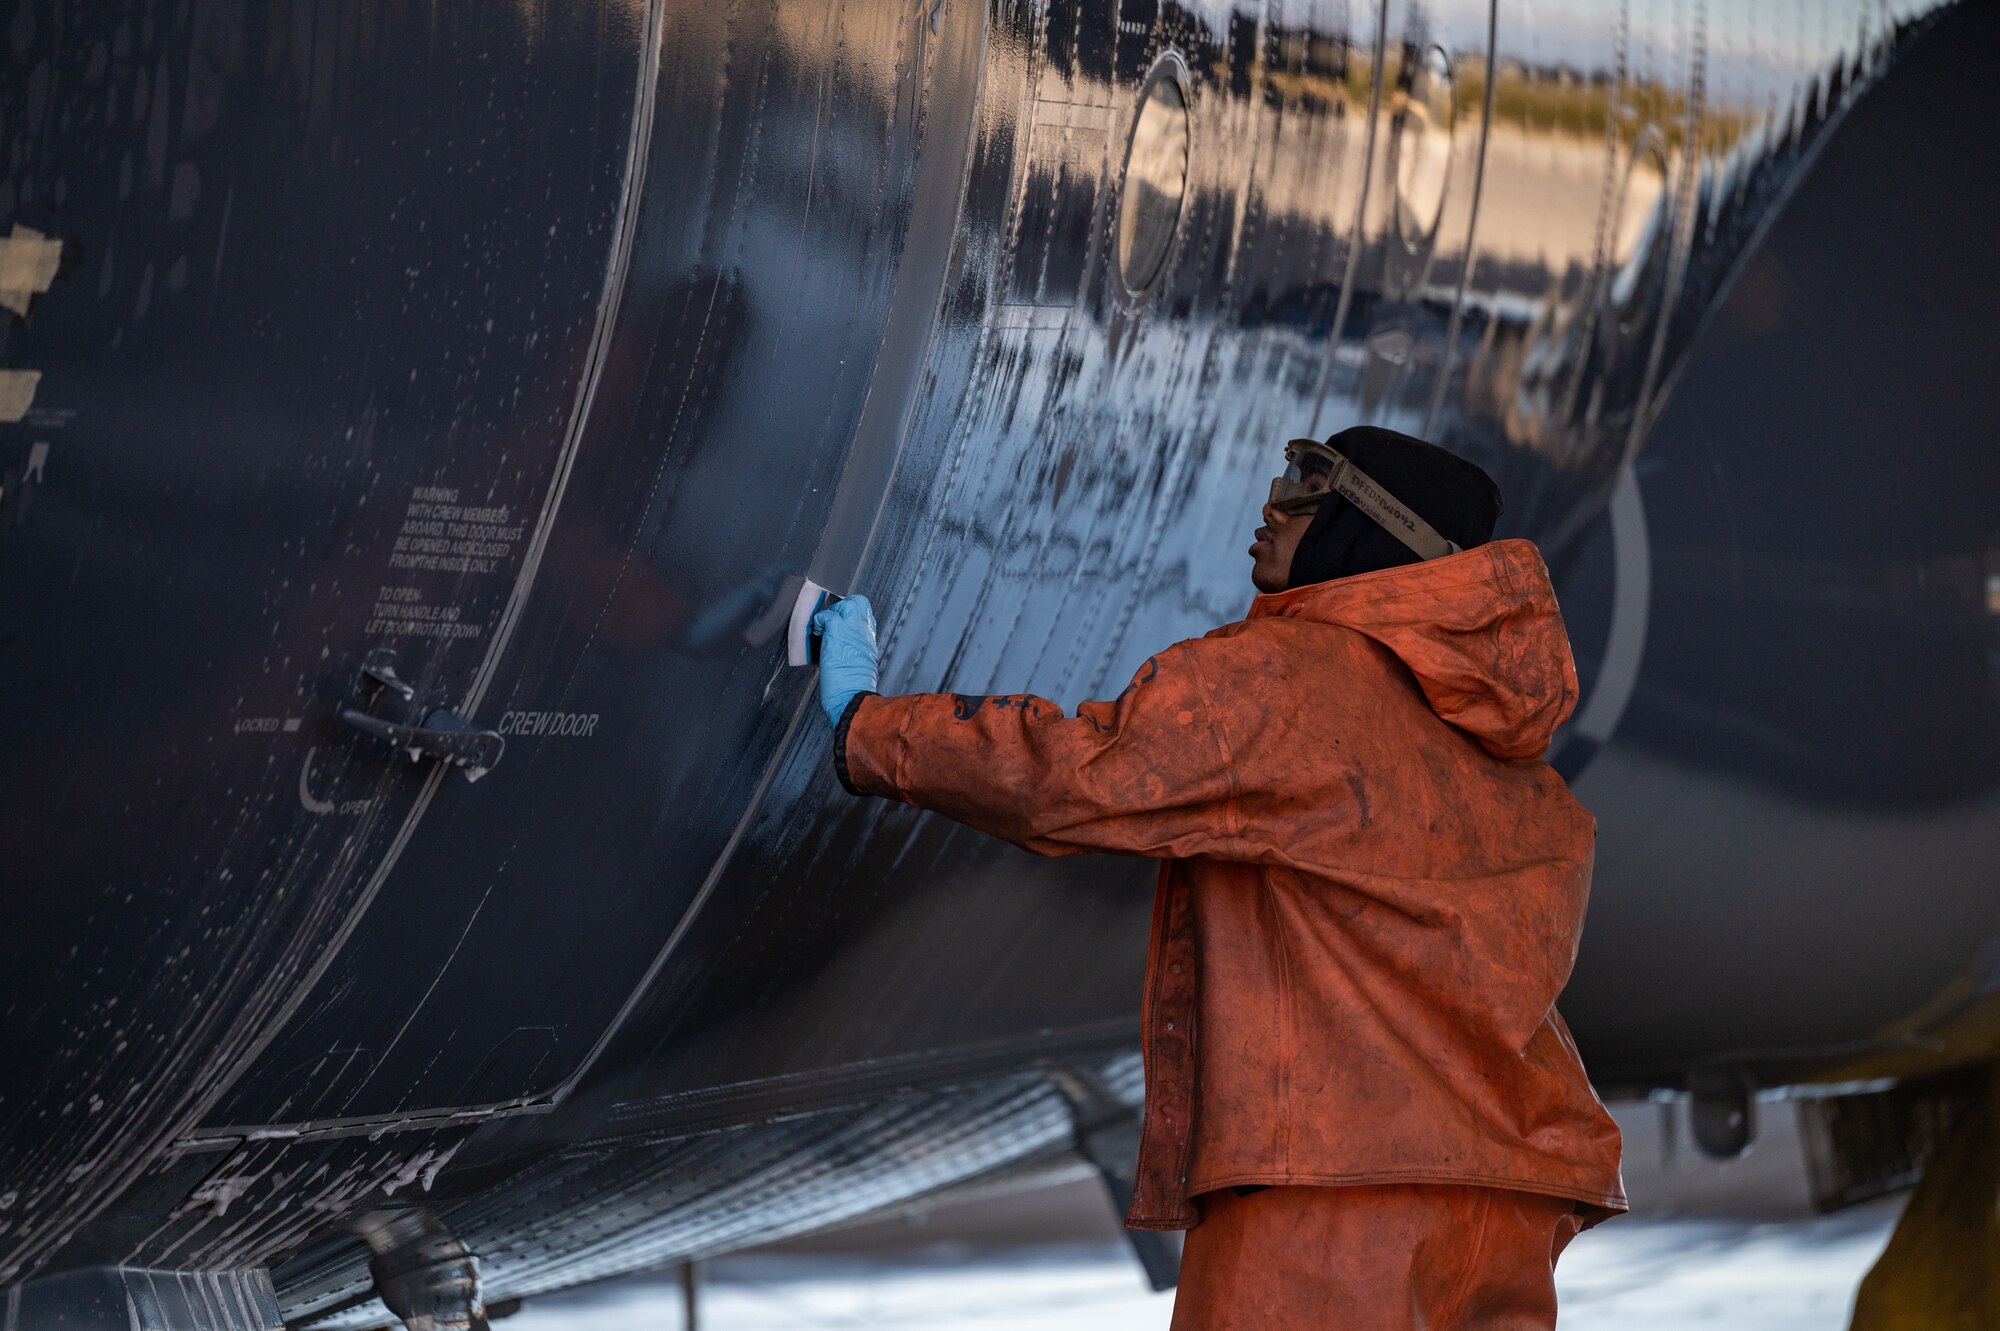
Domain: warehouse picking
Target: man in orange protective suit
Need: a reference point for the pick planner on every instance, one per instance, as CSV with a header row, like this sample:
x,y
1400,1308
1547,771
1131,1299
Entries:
x,y
1359,1095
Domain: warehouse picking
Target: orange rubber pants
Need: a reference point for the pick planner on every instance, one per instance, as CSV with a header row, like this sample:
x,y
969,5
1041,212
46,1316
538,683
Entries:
x,y
1393,1258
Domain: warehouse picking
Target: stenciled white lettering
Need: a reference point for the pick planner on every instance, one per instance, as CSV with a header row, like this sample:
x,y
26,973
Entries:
x,y
549,725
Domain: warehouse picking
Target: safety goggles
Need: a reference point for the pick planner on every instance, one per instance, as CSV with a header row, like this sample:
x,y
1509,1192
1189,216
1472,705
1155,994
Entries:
x,y
1313,471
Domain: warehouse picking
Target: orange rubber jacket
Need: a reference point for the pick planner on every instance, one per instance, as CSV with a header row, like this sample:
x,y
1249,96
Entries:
x,y
1372,885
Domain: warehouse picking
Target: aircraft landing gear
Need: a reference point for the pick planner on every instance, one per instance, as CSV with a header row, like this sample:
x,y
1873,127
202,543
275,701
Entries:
x,y
422,1272
1941,1270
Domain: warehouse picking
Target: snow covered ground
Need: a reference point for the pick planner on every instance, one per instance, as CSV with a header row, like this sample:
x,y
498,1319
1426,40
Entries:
x,y
1730,1247
1677,1275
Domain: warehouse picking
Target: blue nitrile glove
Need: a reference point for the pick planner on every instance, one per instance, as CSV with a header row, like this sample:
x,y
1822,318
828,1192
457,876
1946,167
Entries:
x,y
847,654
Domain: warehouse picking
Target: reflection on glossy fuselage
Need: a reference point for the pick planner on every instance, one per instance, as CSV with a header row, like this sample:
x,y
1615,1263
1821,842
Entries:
x,y
536,347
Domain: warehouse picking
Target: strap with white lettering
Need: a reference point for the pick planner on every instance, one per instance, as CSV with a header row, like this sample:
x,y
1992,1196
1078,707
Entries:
x,y
1359,489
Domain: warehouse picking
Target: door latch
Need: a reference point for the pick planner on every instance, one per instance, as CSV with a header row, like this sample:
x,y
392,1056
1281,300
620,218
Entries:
x,y
434,732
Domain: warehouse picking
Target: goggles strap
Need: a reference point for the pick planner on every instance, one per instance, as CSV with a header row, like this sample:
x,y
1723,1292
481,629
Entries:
x,y
1357,488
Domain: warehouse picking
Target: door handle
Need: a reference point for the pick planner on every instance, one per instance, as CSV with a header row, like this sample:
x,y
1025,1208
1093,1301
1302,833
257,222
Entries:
x,y
434,732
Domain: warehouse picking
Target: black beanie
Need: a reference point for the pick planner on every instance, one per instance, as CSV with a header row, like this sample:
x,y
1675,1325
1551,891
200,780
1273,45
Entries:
x,y
1453,495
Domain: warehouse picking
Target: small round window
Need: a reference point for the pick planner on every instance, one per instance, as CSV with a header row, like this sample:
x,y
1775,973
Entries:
x,y
1156,172
1422,145
1641,242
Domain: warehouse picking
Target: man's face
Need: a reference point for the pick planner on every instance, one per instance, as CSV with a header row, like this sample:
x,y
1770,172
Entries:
x,y
1271,552
1278,539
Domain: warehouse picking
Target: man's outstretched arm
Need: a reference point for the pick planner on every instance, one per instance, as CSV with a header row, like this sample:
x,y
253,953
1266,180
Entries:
x,y
1144,775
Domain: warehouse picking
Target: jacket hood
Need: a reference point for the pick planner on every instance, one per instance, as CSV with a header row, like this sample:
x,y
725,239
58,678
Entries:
x,y
1480,631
